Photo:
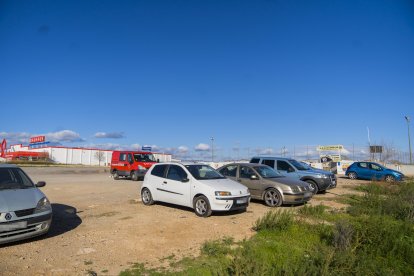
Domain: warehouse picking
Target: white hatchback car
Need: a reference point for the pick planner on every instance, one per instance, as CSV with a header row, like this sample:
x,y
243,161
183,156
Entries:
x,y
193,185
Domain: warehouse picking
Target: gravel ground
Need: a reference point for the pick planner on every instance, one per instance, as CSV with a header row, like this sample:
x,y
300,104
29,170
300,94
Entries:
x,y
101,226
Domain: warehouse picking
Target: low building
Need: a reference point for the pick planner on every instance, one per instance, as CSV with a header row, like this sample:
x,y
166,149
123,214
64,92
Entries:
x,y
77,155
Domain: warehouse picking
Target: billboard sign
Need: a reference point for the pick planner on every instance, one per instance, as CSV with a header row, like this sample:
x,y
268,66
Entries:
x,y
37,139
330,147
145,148
375,149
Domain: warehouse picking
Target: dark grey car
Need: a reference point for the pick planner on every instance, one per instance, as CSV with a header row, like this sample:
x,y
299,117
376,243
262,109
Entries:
x,y
267,184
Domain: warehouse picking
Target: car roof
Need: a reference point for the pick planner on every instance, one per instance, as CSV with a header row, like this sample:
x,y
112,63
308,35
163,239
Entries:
x,y
247,164
186,163
8,166
274,157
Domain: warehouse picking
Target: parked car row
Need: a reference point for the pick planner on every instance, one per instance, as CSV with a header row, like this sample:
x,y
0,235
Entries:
x,y
26,212
275,181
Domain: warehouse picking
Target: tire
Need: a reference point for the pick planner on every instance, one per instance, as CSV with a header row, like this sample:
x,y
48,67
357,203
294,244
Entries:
x,y
389,178
314,187
134,176
146,197
272,198
202,206
352,175
115,174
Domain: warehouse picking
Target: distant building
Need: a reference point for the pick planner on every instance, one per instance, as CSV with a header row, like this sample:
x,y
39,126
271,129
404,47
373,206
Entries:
x,y
72,155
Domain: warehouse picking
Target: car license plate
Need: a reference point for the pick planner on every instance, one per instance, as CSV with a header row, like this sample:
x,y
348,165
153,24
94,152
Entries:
x,y
13,226
242,200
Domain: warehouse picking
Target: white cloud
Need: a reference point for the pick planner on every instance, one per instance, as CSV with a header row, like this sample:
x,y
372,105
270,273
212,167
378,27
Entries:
x,y
112,135
54,137
15,138
182,149
63,136
266,151
202,147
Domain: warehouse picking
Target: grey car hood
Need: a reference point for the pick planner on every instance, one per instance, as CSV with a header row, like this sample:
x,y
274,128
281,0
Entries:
x,y
20,199
287,181
226,184
314,171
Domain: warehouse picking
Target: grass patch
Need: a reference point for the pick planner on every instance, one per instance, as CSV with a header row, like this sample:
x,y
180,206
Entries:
x,y
374,236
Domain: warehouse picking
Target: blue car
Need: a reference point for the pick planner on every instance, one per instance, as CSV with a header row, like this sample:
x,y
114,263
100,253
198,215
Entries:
x,y
372,171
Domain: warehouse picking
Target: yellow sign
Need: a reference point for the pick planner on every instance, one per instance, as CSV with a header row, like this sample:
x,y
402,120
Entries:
x,y
328,148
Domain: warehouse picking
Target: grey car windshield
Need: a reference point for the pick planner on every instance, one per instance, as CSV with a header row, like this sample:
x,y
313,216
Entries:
x,y
298,165
203,172
267,172
13,179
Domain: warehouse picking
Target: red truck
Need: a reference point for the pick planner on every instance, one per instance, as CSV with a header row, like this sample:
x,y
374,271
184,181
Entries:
x,y
132,164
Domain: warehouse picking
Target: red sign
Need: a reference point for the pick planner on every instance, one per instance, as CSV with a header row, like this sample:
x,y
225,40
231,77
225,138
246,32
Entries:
x,y
37,139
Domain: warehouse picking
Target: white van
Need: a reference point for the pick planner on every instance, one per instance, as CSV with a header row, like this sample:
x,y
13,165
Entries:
x,y
198,186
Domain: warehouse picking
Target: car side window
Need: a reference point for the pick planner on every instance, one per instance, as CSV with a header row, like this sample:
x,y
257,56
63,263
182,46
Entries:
x,y
130,160
246,172
270,163
375,167
284,166
363,165
230,171
158,170
122,157
255,160
176,173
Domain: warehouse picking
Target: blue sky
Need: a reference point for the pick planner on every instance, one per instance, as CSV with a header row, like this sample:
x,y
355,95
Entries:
x,y
253,74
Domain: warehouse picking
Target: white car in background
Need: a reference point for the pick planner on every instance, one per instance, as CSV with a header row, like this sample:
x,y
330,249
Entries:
x,y
25,211
193,185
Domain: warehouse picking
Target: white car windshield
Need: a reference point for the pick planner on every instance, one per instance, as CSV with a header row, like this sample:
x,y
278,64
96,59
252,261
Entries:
x,y
203,172
14,179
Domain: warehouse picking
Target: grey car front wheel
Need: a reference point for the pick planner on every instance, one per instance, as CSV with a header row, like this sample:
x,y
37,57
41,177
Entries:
x,y
273,198
313,186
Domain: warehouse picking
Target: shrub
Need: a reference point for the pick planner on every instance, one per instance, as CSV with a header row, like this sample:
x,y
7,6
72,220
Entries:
x,y
274,220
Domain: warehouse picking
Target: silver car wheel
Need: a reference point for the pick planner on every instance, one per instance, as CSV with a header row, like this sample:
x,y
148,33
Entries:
x,y
272,198
389,178
146,197
201,206
352,175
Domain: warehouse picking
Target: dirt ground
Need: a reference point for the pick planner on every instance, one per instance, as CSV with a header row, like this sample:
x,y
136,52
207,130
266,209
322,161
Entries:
x,y
100,225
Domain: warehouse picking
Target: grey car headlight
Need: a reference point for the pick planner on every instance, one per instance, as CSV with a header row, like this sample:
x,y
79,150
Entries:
x,y
295,189
43,205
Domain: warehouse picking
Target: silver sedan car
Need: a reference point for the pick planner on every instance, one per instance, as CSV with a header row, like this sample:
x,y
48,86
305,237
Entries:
x,y
25,211
267,184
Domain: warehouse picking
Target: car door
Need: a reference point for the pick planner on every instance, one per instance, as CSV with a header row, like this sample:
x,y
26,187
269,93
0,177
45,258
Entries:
x,y
249,178
286,169
363,170
175,187
376,171
123,164
155,180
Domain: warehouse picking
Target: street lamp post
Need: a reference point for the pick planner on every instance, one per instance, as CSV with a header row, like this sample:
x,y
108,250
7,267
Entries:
x,y
212,149
407,118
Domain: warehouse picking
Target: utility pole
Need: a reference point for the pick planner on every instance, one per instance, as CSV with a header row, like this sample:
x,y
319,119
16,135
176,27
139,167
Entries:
x,y
212,149
409,137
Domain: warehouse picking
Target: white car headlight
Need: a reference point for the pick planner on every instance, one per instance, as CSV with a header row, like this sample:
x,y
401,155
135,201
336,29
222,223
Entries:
x,y
222,193
43,205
